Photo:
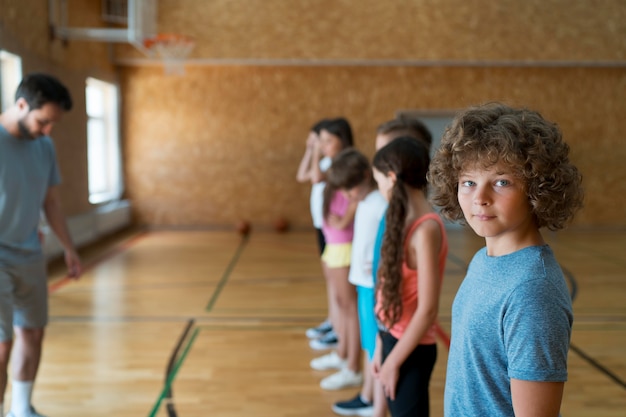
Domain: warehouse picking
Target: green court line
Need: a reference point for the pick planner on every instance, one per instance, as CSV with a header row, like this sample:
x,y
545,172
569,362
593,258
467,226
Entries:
x,y
172,375
227,272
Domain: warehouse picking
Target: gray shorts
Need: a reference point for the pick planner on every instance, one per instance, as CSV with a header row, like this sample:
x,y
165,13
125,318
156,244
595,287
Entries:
x,y
23,296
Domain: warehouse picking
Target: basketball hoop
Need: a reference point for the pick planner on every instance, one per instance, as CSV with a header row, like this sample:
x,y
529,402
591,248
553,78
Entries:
x,y
172,49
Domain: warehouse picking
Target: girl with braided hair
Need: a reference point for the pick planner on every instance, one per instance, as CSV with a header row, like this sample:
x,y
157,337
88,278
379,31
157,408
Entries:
x,y
409,278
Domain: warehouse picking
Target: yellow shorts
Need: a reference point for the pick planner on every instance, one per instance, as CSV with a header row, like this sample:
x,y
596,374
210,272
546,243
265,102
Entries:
x,y
337,255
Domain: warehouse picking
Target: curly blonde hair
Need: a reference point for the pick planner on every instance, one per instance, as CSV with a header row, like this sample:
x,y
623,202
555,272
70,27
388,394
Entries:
x,y
523,140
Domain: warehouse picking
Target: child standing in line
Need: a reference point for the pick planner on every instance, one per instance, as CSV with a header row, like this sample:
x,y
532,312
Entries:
x,y
338,230
402,126
506,173
371,401
311,170
413,259
352,174
335,135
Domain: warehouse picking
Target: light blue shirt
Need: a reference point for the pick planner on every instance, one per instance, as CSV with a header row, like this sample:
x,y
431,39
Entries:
x,y
378,245
511,318
27,169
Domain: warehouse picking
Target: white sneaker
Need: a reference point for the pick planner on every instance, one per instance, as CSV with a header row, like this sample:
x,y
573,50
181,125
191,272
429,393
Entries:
x,y
345,378
33,413
329,361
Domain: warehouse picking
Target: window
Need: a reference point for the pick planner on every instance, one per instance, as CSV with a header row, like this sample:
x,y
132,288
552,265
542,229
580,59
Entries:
x,y
103,144
10,77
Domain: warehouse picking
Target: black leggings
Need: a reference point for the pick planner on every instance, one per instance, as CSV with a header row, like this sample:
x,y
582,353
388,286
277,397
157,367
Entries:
x,y
321,241
413,379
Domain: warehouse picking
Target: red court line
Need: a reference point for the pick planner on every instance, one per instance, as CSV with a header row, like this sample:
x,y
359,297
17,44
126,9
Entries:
x,y
99,259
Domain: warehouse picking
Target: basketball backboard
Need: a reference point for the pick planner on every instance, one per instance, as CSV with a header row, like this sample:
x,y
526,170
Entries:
x,y
139,16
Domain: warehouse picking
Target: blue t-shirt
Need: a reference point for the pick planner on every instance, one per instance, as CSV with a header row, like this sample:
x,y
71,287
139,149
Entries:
x,y
511,318
378,245
27,169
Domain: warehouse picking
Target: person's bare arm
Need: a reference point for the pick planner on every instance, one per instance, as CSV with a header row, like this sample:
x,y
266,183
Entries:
x,y
536,399
305,169
317,175
56,220
428,239
341,222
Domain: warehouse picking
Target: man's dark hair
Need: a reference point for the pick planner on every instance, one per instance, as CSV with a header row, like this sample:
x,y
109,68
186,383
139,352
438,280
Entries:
x,y
38,89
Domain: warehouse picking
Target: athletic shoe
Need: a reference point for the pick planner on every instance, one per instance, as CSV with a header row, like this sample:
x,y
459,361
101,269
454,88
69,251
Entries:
x,y
354,407
33,413
329,361
319,331
345,378
328,341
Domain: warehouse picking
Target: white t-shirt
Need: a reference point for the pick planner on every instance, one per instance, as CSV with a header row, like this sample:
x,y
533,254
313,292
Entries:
x,y
366,220
317,195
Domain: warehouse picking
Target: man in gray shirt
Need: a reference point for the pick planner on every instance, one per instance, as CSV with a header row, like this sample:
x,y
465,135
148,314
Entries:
x,y
29,179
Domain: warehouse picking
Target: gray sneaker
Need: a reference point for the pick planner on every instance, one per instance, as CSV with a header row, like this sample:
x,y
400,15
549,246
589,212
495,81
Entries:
x,y
319,331
328,341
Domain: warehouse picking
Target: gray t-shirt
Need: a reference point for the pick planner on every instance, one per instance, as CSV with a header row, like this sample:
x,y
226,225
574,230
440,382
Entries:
x,y
511,318
27,169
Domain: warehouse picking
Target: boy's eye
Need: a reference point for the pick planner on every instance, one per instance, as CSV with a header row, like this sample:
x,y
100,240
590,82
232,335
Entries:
x,y
502,183
467,183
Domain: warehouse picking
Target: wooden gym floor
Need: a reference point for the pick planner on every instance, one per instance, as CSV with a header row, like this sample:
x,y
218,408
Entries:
x,y
207,323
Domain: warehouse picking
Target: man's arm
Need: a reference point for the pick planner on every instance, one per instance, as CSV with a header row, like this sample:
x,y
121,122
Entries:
x,y
56,220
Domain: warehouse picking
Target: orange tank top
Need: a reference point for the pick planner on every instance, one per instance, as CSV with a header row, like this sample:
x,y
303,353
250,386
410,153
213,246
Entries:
x,y
409,284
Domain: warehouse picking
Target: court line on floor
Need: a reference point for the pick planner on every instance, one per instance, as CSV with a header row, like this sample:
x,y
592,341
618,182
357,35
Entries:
x,y
590,360
231,265
121,247
172,375
598,366
177,360
169,395
172,371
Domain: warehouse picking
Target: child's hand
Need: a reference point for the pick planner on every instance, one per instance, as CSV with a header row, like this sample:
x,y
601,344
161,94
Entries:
x,y
311,140
388,376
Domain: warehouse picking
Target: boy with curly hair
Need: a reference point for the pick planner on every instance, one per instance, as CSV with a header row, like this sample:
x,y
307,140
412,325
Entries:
x,y
506,173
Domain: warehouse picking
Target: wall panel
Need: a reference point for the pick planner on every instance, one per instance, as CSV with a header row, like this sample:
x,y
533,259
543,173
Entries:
x,y
223,143
399,29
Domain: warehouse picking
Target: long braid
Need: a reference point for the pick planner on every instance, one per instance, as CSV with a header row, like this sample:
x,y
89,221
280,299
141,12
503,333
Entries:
x,y
408,159
392,255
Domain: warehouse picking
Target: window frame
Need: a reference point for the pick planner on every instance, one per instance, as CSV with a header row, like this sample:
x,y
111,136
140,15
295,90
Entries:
x,y
109,150
10,77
